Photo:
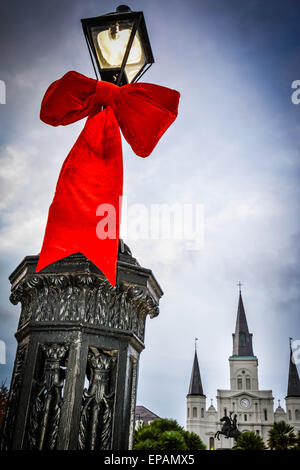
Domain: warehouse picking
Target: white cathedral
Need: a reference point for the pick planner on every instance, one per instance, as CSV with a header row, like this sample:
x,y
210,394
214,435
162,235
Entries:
x,y
254,407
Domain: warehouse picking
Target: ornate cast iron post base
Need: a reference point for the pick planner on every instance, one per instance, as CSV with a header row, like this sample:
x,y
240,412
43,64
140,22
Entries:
x,y
76,367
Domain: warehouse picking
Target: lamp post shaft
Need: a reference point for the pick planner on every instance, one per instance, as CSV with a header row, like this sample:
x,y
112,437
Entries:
x,y
79,341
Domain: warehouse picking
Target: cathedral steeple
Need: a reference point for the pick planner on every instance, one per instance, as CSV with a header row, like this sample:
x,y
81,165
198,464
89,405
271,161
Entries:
x,y
294,382
242,339
195,383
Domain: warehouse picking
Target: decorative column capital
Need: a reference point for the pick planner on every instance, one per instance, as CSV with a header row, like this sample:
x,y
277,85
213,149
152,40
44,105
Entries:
x,y
83,298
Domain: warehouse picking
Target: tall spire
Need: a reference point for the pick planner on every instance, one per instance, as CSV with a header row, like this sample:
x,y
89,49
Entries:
x,y
242,339
294,382
195,383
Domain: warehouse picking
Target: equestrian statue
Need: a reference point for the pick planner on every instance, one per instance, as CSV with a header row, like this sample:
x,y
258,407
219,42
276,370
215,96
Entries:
x,y
229,428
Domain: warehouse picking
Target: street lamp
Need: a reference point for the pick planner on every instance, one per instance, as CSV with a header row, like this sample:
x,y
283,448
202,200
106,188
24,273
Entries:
x,y
119,45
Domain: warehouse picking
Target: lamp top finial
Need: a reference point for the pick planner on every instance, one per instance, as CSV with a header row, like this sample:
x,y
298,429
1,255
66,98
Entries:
x,y
122,8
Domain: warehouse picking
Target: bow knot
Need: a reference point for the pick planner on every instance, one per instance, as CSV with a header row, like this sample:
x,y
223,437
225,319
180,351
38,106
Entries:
x,y
106,94
90,184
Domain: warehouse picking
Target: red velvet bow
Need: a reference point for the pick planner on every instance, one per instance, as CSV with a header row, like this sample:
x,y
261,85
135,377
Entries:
x,y
92,174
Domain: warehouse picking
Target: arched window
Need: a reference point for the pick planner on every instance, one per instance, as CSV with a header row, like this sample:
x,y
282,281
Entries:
x,y
195,412
242,339
297,415
248,383
211,443
239,383
290,415
202,412
245,417
265,414
188,412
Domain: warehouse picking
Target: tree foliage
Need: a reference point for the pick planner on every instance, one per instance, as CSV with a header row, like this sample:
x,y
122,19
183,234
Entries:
x,y
297,443
282,437
165,435
249,440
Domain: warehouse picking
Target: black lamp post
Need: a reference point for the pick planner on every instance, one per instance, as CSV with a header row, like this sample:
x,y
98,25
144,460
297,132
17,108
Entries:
x,y
119,45
79,339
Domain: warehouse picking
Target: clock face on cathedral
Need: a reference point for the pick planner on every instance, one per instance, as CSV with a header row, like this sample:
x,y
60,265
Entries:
x,y
245,402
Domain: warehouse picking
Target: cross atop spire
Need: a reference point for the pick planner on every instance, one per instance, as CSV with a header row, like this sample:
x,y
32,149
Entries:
x,y
240,286
242,339
294,382
196,339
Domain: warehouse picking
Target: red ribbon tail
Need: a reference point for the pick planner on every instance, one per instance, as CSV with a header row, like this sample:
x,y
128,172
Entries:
x,y
108,268
85,212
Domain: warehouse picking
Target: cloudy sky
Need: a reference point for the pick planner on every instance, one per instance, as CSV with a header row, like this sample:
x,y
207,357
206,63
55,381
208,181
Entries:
x,y
234,151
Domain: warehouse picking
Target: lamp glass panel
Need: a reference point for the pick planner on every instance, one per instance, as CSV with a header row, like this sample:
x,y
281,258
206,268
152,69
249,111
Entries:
x,y
138,59
110,42
113,47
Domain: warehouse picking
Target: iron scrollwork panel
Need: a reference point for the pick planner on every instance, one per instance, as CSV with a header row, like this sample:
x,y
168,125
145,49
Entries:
x,y
47,398
133,391
97,402
13,400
